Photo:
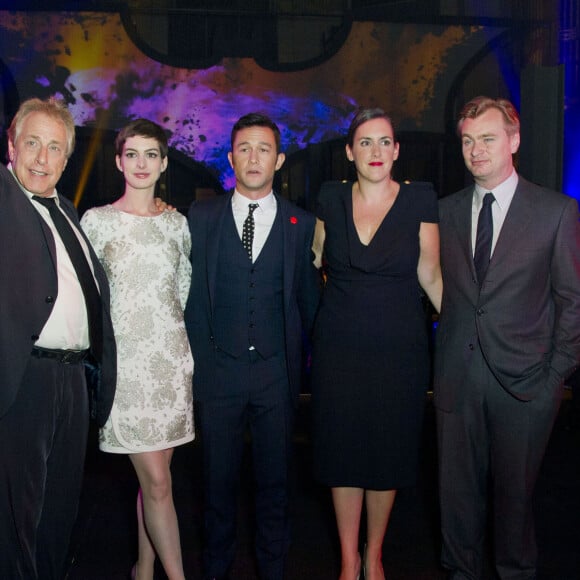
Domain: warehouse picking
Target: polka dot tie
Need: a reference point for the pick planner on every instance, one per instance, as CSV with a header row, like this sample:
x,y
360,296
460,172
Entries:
x,y
248,230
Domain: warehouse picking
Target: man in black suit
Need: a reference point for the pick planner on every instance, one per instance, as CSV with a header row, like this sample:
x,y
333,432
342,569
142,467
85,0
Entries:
x,y
508,336
46,334
254,291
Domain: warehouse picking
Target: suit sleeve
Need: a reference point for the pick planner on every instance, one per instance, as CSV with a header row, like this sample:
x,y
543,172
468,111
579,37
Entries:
x,y
309,285
565,274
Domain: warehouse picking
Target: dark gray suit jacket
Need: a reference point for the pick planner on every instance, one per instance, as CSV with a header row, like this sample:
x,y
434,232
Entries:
x,y
28,287
301,288
527,315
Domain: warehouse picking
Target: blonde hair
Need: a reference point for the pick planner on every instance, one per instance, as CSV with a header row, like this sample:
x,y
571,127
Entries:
x,y
53,108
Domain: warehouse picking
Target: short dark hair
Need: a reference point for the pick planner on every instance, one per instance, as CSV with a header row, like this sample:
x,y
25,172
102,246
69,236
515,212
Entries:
x,y
363,115
256,120
480,105
142,128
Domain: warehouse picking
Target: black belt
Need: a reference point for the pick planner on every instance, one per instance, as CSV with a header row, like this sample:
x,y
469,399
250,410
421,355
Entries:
x,y
67,357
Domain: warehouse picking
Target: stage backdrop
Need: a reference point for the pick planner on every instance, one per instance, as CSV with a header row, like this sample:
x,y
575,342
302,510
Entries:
x,y
89,60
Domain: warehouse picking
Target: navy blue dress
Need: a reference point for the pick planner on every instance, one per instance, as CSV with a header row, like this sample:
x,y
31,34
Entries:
x,y
370,361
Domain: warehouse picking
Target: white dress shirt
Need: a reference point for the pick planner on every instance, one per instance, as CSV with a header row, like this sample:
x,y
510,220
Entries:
x,y
503,194
264,216
67,326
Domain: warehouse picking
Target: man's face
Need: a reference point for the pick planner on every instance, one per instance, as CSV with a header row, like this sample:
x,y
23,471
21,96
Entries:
x,y
255,161
39,155
488,149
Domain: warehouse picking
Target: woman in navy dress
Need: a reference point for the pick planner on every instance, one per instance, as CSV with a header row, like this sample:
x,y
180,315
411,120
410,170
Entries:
x,y
370,372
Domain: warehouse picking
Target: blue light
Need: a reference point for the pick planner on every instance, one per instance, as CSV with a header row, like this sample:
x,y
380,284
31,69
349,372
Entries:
x,y
569,44
571,177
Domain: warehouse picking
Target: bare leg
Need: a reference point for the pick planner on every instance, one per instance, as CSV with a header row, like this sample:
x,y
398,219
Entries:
x,y
347,507
159,517
379,505
146,556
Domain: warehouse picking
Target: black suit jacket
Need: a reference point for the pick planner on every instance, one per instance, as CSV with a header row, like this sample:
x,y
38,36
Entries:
x,y
527,315
301,287
28,288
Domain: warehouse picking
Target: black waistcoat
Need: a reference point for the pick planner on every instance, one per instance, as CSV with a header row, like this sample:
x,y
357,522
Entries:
x,y
249,298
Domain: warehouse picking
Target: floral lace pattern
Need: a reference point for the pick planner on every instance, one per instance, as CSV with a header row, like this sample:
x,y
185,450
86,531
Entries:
x,y
148,267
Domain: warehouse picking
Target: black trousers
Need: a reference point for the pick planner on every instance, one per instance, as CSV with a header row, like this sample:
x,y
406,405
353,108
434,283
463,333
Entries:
x,y
260,401
43,441
490,453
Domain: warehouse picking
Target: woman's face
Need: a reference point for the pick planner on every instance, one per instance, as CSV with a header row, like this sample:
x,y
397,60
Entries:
x,y
141,162
374,150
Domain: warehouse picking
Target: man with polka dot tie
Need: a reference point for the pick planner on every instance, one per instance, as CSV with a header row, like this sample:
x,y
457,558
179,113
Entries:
x,y
253,296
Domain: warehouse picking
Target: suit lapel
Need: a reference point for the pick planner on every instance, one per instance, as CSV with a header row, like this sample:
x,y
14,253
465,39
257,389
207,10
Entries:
x,y
515,226
289,232
462,225
71,214
98,270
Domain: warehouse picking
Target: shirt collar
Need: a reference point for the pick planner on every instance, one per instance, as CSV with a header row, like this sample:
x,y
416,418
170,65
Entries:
x,y
503,193
240,202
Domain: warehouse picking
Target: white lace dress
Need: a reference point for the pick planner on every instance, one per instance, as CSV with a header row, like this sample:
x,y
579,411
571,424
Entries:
x,y
147,263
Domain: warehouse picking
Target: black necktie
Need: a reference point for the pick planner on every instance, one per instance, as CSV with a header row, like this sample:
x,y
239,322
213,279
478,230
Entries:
x,y
248,230
83,271
484,236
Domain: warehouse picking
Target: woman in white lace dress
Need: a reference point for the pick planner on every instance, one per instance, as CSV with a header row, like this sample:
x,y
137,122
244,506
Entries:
x,y
145,253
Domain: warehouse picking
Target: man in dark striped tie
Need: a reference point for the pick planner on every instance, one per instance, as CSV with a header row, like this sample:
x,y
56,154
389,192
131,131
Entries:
x,y
54,320
508,336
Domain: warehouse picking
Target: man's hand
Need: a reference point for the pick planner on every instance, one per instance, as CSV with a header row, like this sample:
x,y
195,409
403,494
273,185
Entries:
x,y
162,205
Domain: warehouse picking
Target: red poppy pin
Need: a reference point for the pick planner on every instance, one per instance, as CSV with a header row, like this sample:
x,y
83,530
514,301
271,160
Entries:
x,y
293,220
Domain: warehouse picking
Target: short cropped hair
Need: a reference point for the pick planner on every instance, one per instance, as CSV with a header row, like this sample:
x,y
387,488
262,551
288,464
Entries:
x,y
480,105
142,128
256,120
